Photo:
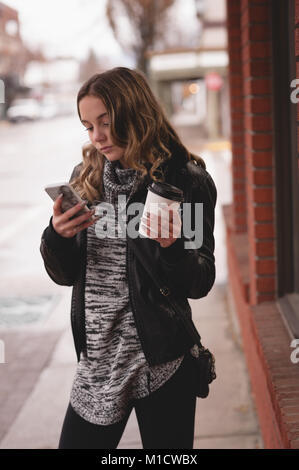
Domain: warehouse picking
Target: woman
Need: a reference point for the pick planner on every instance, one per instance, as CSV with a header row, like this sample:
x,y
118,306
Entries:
x,y
132,351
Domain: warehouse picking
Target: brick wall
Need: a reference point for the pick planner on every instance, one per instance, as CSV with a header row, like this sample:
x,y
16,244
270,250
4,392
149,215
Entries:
x,y
250,221
237,115
249,41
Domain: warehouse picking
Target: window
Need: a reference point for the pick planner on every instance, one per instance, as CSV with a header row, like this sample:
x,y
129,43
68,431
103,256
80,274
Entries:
x,y
286,163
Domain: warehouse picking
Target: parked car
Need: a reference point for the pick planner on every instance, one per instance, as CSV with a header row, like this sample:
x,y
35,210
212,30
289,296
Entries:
x,y
48,108
25,109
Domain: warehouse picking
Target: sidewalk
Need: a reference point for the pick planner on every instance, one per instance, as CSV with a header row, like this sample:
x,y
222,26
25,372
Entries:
x,y
226,419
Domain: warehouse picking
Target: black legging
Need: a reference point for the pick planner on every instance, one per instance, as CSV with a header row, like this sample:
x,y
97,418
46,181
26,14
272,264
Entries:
x,y
165,419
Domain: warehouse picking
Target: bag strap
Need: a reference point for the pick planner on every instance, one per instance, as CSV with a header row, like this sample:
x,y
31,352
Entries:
x,y
188,323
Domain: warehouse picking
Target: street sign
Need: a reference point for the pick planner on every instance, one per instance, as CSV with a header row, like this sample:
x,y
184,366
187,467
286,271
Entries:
x,y
214,81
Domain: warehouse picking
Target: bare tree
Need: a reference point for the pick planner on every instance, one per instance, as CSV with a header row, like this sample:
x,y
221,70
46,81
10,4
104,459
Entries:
x,y
89,66
147,21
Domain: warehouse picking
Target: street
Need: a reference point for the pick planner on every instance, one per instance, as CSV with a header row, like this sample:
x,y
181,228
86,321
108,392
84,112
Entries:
x,y
33,154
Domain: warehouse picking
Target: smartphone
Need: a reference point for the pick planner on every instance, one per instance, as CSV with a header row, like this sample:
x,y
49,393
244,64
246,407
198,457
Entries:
x,y
70,197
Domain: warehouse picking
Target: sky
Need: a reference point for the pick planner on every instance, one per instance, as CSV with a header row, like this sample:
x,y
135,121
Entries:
x,y
66,27
71,27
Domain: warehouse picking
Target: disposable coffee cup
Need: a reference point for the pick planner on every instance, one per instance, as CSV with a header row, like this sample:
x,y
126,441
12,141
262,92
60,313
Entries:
x,y
161,199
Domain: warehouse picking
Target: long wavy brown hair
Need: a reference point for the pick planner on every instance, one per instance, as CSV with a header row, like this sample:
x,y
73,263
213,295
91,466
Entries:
x,y
137,123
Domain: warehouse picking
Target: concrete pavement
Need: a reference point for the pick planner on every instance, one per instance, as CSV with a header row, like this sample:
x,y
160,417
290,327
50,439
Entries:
x,y
33,414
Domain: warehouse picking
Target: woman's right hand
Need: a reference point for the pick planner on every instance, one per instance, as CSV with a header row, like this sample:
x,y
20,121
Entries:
x,y
69,228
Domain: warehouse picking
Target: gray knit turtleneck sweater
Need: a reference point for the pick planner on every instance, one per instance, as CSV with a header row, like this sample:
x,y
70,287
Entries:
x,y
114,370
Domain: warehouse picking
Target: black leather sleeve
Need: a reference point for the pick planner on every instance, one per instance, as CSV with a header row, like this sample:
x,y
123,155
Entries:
x,y
61,255
191,271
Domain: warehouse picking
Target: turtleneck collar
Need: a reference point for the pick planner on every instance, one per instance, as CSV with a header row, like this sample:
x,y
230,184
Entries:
x,y
117,180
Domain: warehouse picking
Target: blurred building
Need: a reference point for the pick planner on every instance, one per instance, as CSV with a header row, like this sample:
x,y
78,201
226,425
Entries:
x,y
262,224
11,53
12,60
192,82
57,75
14,56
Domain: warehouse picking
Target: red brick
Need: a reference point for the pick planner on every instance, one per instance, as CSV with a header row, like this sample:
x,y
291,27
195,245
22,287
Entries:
x,y
239,203
266,284
265,266
292,381
296,11
256,32
237,138
239,186
286,372
262,177
236,115
256,50
292,419
239,159
258,122
255,14
265,230
263,213
285,394
262,159
237,103
234,55
257,105
265,248
233,7
239,173
290,410
297,41
278,341
289,402
258,141
236,81
257,86
237,149
237,126
234,21
263,195
235,67
256,68
240,220
233,32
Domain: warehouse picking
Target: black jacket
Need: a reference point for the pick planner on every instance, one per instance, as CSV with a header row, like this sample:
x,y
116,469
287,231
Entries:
x,y
187,273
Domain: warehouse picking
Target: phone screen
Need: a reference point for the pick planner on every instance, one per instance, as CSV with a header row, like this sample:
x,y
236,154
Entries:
x,y
69,200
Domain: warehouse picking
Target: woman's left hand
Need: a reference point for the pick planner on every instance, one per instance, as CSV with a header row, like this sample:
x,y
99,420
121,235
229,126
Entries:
x,y
169,237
